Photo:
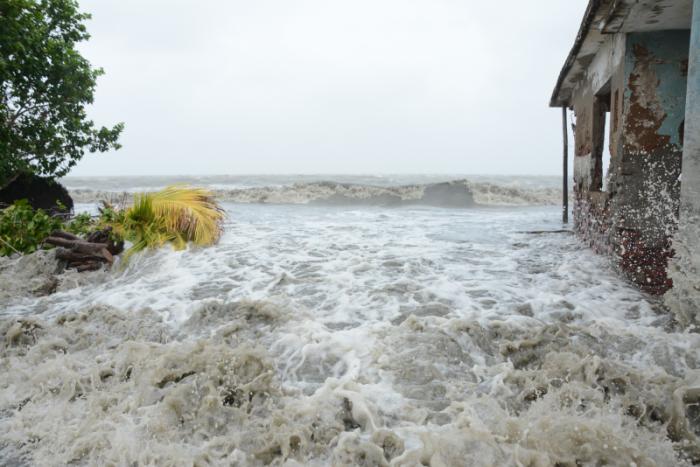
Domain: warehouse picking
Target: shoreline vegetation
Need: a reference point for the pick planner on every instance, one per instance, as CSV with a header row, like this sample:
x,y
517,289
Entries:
x,y
175,215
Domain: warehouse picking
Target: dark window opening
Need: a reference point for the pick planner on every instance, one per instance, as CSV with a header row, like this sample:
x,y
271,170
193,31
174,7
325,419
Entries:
x,y
601,139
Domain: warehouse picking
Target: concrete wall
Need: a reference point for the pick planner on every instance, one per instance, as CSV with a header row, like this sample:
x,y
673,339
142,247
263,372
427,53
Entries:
x,y
684,299
644,76
592,219
605,67
645,205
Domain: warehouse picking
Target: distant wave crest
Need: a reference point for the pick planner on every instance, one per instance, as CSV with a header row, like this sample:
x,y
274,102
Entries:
x,y
456,194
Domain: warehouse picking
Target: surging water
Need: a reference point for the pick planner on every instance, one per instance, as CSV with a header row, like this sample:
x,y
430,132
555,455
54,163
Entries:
x,y
341,335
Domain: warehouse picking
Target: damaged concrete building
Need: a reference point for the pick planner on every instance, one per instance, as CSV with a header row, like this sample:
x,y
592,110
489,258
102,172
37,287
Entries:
x,y
635,69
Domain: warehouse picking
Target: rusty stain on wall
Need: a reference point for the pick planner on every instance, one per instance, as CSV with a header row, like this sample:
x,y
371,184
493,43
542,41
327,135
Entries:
x,y
645,115
634,220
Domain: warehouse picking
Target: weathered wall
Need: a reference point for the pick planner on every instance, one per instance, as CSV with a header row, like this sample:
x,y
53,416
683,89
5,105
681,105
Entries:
x,y
592,218
605,67
684,299
584,141
646,187
636,218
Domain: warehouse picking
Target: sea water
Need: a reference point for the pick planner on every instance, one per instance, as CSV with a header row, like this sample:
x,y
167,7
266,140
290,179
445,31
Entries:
x,y
333,325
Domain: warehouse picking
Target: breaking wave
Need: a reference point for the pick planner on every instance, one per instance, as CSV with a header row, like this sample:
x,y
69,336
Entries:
x,y
458,194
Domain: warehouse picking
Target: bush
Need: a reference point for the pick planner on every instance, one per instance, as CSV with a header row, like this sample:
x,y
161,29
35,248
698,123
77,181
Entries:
x,y
22,229
81,225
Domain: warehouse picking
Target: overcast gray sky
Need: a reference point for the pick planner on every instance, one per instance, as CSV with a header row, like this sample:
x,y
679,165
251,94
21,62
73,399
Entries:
x,y
329,86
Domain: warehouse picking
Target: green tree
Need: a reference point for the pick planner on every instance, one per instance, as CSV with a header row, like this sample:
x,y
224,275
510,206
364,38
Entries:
x,y
46,86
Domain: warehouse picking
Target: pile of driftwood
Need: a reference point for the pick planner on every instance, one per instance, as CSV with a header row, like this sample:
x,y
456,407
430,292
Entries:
x,y
87,254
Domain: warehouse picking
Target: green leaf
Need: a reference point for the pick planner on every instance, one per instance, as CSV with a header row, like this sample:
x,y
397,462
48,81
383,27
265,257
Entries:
x,y
46,86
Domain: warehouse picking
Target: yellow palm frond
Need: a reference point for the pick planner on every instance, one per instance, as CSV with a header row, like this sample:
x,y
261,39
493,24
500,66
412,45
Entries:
x,y
189,213
177,214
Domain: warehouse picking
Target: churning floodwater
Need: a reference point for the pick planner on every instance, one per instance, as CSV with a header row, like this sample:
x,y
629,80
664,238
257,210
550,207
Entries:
x,y
335,325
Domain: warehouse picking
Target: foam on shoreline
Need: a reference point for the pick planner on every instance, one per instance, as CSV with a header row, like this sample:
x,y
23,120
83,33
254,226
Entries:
x,y
320,336
99,386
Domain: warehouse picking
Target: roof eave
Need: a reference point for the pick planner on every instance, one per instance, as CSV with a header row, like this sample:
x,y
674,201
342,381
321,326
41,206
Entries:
x,y
591,11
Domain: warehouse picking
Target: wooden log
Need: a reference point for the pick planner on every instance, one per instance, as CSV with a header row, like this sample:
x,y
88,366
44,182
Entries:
x,y
99,236
80,246
104,236
85,255
75,257
64,234
89,266
70,255
116,248
82,249
543,232
72,244
107,255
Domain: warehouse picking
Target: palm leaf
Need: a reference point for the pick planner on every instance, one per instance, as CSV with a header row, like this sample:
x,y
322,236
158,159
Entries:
x,y
177,214
188,212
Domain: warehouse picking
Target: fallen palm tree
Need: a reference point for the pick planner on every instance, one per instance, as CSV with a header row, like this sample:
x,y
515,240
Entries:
x,y
177,215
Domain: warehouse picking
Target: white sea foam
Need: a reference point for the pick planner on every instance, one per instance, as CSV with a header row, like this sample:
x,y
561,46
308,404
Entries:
x,y
317,335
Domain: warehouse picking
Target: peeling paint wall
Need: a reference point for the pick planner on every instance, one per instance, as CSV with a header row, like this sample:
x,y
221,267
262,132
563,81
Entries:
x,y
684,299
641,79
583,137
604,70
647,194
592,218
